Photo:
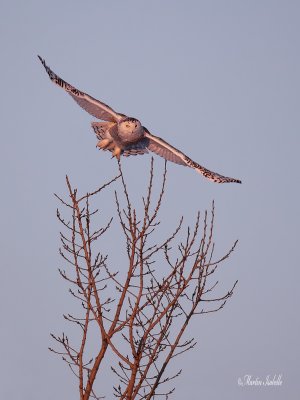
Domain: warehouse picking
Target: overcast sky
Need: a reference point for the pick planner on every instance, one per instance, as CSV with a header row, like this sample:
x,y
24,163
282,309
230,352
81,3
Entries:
x,y
217,79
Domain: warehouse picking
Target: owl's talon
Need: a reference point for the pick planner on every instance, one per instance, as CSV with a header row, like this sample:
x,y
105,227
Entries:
x,y
117,152
103,144
111,146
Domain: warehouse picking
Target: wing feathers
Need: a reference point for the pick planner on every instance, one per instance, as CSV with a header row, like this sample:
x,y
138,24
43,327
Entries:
x,y
165,150
101,129
88,103
136,148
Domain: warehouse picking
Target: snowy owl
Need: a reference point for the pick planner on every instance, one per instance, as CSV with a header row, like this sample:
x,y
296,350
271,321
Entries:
x,y
123,135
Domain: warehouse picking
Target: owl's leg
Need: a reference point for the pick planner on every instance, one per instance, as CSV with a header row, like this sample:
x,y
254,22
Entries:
x,y
117,152
111,146
104,143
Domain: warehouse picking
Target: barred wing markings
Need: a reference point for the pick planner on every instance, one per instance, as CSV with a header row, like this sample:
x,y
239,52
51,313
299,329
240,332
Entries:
x,y
88,103
101,129
136,148
170,153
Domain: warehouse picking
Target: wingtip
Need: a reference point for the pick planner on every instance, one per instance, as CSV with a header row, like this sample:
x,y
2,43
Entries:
x,y
232,180
42,60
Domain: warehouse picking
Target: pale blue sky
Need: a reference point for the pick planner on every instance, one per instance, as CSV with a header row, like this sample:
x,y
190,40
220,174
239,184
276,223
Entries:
x,y
217,79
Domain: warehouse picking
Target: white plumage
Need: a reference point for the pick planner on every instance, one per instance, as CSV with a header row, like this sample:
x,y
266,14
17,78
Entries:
x,y
123,135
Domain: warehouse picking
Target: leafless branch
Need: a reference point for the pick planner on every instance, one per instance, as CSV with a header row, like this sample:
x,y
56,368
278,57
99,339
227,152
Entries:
x,y
135,316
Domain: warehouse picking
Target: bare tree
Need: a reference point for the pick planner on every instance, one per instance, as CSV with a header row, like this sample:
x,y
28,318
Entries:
x,y
143,323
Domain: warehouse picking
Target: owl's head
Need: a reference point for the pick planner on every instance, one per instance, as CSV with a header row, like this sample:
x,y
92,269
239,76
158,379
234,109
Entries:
x,y
129,125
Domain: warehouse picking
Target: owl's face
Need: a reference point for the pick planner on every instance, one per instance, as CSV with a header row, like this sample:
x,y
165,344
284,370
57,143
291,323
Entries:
x,y
129,126
130,129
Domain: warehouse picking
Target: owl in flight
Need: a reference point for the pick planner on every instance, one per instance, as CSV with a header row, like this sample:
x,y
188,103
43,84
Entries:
x,y
126,136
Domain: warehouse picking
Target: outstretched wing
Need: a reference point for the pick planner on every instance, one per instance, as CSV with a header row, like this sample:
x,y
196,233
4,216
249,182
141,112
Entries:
x,y
88,103
170,153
